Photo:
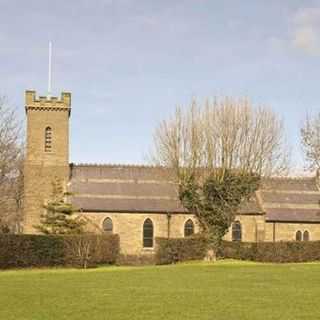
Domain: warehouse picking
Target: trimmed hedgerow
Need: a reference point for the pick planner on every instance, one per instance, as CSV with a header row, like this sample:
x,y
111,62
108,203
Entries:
x,y
195,248
22,251
272,251
180,249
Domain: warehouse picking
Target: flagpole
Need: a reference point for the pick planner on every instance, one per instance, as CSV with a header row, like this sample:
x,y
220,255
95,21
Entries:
x,y
49,71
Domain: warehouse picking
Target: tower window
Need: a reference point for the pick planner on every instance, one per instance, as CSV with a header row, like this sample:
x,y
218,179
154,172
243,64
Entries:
x,y
48,140
236,231
299,236
148,234
188,228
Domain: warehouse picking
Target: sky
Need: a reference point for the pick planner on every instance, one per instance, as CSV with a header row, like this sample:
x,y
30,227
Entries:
x,y
129,63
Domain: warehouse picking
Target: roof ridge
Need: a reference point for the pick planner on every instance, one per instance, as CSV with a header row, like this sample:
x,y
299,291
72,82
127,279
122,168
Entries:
x,y
116,165
150,166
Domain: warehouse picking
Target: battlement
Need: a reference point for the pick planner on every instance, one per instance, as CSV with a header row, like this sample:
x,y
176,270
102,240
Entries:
x,y
47,103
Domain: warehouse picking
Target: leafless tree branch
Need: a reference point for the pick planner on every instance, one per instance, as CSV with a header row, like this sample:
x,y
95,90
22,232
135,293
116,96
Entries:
x,y
223,133
310,140
11,169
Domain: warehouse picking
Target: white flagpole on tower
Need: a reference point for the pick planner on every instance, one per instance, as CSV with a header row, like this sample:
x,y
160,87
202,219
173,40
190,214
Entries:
x,y
49,73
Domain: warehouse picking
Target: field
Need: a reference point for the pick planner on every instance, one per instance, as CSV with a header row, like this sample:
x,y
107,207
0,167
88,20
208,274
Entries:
x,y
225,290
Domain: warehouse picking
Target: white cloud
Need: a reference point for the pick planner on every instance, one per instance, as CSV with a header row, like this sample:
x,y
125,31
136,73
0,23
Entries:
x,y
306,30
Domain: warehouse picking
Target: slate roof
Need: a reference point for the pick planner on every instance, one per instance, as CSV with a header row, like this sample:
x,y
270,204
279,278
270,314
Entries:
x,y
113,188
291,199
121,188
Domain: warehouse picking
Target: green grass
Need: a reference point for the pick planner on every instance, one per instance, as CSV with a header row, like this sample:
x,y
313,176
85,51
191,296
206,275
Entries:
x,y
224,290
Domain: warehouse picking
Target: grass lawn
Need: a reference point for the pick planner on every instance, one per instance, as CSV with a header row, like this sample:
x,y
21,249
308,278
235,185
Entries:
x,y
224,290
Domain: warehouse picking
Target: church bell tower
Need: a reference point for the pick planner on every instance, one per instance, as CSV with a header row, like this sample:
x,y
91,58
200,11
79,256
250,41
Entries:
x,y
47,152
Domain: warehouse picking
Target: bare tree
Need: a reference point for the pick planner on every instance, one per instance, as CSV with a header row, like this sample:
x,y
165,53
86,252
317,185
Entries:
x,y
226,134
310,139
80,249
85,250
11,181
218,153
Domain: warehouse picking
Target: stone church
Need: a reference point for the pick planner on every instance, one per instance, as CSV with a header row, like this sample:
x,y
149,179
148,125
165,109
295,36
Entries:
x,y
140,202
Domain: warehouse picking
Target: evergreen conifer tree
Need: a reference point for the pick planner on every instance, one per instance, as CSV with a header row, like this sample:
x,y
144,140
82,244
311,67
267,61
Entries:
x,y
59,217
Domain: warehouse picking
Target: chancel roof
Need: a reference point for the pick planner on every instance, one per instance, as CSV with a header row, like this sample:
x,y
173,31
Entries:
x,y
122,188
291,199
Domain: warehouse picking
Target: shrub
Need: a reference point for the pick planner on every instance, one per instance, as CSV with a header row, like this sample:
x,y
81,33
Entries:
x,y
21,251
180,249
272,251
90,250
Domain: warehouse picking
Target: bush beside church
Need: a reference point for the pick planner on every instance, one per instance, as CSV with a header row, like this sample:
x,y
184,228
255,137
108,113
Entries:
x,y
195,248
180,249
25,251
275,252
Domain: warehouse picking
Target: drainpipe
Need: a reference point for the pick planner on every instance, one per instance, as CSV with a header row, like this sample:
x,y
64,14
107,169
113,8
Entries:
x,y
274,232
169,224
256,232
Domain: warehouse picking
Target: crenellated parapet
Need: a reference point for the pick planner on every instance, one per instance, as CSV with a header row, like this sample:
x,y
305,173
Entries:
x,y
42,103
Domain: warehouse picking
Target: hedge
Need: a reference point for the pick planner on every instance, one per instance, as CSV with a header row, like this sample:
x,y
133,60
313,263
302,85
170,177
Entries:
x,y
180,249
195,248
21,251
277,252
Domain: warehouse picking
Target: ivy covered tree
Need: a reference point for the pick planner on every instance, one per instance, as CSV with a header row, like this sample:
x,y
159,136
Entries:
x,y
217,152
59,217
216,199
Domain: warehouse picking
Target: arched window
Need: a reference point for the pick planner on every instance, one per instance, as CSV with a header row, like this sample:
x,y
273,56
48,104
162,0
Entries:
x,y
236,231
188,228
148,234
107,225
306,236
298,235
48,140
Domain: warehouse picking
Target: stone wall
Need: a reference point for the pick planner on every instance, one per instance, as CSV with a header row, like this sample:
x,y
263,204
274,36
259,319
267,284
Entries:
x,y
252,228
38,181
40,167
129,226
286,231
